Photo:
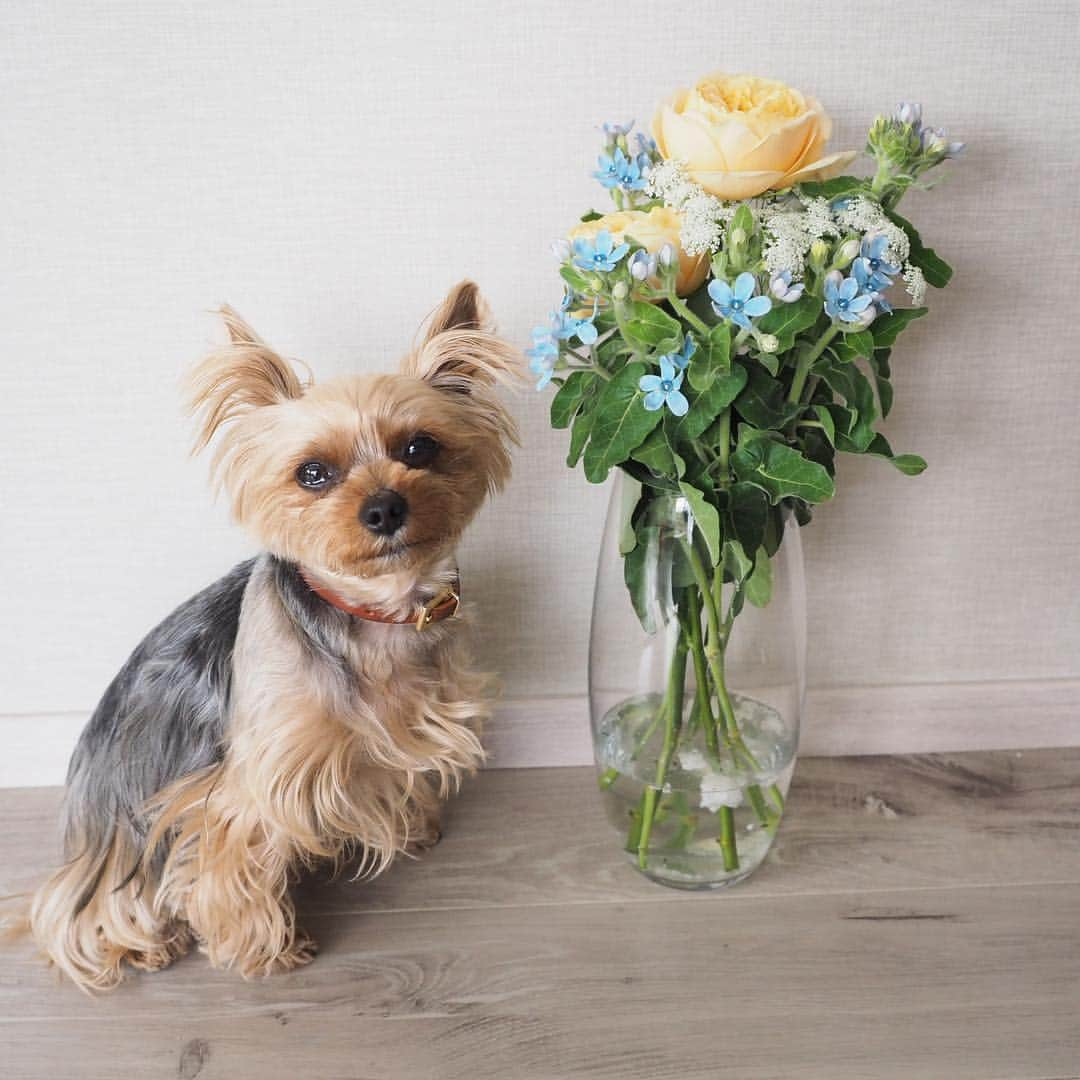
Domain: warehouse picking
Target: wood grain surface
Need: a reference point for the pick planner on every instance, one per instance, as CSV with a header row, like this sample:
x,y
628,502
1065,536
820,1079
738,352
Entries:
x,y
918,917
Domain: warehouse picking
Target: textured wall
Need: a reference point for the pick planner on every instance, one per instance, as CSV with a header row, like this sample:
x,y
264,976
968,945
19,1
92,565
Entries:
x,y
330,169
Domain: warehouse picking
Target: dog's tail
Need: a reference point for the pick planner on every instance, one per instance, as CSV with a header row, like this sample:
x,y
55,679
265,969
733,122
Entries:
x,y
93,914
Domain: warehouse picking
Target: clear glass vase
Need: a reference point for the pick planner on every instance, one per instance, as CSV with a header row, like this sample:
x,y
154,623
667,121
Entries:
x,y
696,681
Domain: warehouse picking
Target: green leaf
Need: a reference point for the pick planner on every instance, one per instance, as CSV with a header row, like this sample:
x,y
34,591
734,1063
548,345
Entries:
x,y
592,215
935,269
828,425
736,562
647,326
759,584
762,402
708,405
575,279
743,218
887,328
620,425
579,436
658,454
747,513
712,357
908,464
879,365
706,518
784,472
787,321
849,347
565,404
630,496
636,575
831,189
852,385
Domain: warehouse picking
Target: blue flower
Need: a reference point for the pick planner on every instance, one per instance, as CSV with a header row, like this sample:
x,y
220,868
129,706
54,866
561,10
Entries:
x,y
600,253
681,359
737,303
565,326
871,270
542,355
613,131
663,389
618,170
645,145
843,300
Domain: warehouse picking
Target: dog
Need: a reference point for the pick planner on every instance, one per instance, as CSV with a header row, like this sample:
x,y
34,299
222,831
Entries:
x,y
316,703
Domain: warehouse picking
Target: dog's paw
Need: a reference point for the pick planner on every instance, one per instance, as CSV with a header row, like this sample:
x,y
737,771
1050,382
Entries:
x,y
302,951
162,955
424,841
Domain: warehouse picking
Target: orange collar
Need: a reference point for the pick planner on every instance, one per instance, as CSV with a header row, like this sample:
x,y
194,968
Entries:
x,y
443,605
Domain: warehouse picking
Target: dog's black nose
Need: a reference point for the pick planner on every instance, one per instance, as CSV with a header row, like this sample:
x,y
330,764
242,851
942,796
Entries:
x,y
384,512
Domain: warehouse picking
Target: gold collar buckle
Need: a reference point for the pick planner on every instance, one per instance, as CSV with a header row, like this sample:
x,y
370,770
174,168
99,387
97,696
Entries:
x,y
443,605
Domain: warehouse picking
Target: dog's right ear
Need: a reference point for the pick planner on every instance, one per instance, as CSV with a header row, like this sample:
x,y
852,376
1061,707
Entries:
x,y
246,374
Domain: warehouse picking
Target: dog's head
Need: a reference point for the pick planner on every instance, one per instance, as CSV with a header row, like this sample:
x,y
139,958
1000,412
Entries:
x,y
362,475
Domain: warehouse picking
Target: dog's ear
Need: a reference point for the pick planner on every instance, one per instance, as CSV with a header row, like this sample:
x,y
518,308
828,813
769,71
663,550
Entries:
x,y
460,351
246,374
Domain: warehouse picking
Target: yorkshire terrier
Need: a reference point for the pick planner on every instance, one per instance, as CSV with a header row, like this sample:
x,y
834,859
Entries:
x,y
318,701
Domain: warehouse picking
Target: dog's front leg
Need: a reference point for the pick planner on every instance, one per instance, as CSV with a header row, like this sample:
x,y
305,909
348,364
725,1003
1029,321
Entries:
x,y
227,876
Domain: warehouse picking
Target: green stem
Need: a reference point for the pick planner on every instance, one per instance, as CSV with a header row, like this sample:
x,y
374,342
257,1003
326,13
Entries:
x,y
684,310
714,656
806,361
701,675
728,846
673,701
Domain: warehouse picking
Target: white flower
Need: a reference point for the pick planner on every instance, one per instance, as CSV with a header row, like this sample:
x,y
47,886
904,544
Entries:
x,y
915,283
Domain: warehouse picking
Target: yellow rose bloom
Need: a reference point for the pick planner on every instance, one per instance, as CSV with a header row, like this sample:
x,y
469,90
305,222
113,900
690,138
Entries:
x,y
652,229
741,135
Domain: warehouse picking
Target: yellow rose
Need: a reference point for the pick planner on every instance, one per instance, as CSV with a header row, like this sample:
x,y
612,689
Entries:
x,y
652,229
740,135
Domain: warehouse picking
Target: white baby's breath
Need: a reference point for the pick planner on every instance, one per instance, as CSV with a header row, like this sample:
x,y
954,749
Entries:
x,y
866,216
915,283
703,215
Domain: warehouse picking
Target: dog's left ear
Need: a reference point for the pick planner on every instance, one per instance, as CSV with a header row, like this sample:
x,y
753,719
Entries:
x,y
460,351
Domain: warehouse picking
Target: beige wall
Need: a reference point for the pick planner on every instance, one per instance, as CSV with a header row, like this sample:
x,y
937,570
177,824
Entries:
x,y
331,168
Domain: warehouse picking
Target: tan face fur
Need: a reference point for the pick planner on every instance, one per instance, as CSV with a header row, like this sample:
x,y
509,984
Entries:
x,y
359,427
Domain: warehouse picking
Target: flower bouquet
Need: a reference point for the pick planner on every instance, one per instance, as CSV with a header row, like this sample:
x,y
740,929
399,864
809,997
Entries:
x,y
722,335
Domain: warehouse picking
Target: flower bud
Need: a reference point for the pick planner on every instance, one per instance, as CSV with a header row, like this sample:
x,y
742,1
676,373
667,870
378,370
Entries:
x,y
666,255
780,283
561,249
819,252
768,343
909,112
866,317
846,253
834,277
620,291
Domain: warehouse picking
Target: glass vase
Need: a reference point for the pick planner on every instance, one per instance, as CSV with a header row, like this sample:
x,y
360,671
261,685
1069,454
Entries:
x,y
696,683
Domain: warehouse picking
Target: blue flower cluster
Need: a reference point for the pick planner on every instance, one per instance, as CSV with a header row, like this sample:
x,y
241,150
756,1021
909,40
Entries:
x,y
849,299
620,168
664,389
564,326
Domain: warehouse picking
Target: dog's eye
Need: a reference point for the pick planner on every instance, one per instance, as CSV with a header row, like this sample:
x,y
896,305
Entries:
x,y
420,451
314,474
